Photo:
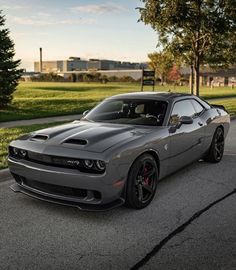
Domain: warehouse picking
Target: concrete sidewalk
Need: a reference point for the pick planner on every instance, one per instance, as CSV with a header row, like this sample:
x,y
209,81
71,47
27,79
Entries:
x,y
45,120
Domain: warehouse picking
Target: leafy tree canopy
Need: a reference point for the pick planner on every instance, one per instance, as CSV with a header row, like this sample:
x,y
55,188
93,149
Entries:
x,y
9,74
161,62
200,31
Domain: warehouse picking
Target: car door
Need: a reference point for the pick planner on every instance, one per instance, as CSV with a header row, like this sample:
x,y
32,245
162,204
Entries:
x,y
186,140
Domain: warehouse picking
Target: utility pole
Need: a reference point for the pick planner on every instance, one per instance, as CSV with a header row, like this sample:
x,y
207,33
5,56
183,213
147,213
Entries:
x,y
40,60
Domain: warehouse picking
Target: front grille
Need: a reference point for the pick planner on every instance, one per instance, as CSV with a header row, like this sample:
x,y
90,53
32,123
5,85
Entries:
x,y
55,189
55,161
63,162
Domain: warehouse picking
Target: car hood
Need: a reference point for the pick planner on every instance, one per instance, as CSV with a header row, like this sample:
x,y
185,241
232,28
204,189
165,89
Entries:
x,y
88,136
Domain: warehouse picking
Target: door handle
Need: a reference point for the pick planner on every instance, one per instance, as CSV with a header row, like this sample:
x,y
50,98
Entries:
x,y
200,123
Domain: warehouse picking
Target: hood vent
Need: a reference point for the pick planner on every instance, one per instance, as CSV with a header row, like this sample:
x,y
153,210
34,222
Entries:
x,y
39,137
76,141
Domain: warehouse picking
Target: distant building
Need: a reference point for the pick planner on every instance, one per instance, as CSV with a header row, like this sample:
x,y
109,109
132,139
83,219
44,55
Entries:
x,y
73,63
222,77
49,66
76,64
97,64
211,77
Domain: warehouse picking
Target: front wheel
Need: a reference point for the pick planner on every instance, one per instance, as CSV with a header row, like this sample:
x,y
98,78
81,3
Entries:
x,y
216,150
142,182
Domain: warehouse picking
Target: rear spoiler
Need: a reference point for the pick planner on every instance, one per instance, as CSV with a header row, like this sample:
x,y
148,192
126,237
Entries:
x,y
219,107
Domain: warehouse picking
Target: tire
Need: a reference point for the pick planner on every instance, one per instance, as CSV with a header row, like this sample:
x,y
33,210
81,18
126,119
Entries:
x,y
142,182
216,150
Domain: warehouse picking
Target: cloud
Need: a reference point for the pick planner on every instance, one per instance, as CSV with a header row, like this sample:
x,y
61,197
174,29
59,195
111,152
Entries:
x,y
99,9
13,7
39,22
44,14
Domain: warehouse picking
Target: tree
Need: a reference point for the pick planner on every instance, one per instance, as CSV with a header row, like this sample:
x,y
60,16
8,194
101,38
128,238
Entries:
x,y
9,74
203,30
50,77
174,75
88,77
162,63
103,79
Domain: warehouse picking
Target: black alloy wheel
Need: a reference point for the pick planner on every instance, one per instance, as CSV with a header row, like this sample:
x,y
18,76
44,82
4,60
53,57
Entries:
x,y
216,151
142,182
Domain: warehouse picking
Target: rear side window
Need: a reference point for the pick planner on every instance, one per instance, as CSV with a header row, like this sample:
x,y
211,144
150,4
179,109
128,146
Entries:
x,y
182,108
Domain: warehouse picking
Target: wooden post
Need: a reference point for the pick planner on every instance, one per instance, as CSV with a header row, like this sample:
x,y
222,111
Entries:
x,y
142,80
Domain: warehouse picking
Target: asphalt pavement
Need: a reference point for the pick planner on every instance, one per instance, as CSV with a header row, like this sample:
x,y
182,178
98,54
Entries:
x,y
191,224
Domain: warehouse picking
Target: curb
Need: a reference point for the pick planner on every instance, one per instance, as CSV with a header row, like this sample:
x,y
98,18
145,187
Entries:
x,y
5,175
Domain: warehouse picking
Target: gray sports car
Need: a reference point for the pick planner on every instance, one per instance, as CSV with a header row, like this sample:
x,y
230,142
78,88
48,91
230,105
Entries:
x,y
119,150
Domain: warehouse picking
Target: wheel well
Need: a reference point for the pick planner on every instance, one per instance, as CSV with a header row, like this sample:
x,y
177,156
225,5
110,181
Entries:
x,y
222,127
155,156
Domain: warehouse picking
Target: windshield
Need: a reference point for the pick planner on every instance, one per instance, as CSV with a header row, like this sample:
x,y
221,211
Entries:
x,y
126,111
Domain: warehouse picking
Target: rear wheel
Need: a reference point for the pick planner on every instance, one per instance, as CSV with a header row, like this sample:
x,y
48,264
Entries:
x,y
142,182
216,151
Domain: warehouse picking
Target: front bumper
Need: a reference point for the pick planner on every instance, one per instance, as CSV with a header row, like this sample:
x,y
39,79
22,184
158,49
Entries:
x,y
102,193
82,206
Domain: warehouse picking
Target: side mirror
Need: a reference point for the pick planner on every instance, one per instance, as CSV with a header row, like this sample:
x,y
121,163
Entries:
x,y
85,113
187,120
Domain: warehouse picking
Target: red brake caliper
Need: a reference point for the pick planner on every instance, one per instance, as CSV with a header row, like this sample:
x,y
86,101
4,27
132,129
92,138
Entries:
x,y
146,179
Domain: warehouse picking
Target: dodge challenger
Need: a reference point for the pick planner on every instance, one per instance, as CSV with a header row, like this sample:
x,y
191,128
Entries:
x,y
117,152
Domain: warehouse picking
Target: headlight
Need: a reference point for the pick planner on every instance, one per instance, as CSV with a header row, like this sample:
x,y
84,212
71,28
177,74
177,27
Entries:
x,y
100,165
88,163
95,165
23,153
15,151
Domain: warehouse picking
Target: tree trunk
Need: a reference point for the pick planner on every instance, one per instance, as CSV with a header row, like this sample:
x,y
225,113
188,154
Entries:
x,y
197,53
191,79
162,79
196,75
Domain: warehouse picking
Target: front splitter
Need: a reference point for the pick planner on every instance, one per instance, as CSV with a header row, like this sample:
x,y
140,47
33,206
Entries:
x,y
82,206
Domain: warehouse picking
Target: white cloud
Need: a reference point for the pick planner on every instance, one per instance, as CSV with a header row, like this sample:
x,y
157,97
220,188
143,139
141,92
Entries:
x,y
99,9
39,22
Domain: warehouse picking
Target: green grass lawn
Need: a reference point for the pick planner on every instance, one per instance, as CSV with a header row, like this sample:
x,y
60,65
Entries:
x,y
9,134
34,100
230,104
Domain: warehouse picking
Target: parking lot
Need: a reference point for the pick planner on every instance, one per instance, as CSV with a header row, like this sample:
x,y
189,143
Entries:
x,y
189,225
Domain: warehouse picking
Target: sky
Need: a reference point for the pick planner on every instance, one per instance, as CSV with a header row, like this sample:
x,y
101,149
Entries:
x,y
81,28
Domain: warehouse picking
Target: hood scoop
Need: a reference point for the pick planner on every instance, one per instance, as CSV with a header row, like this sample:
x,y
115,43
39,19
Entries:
x,y
76,141
39,137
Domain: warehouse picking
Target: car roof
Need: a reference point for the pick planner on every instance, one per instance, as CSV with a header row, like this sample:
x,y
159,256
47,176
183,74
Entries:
x,y
168,96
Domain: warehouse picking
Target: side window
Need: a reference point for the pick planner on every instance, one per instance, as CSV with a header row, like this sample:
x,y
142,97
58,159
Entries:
x,y
181,108
197,106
